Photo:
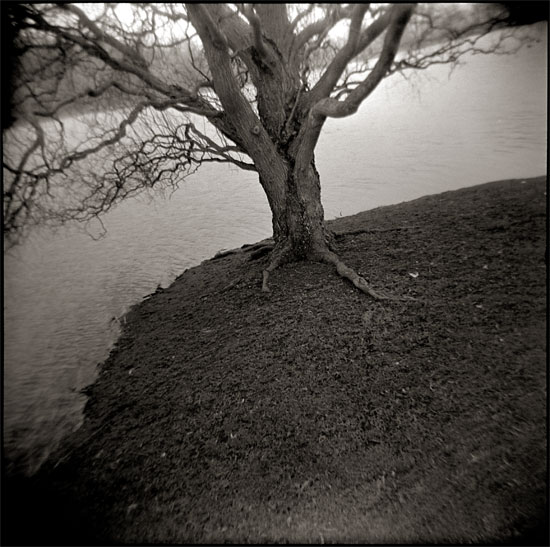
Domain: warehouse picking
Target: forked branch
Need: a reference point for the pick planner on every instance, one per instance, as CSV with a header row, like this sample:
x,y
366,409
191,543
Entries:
x,y
338,109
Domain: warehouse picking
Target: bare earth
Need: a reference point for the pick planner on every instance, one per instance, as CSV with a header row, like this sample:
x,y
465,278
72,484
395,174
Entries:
x,y
314,413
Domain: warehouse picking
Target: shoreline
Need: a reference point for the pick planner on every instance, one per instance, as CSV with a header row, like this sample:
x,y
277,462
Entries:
x,y
223,414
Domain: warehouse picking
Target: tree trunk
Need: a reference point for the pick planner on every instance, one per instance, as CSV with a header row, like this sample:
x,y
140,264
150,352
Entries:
x,y
299,230
298,217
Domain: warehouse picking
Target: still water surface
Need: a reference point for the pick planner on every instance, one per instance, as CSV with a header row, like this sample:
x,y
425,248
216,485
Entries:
x,y
61,291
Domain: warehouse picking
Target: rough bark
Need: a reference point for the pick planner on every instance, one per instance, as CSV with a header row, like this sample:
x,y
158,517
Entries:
x,y
275,76
282,136
299,230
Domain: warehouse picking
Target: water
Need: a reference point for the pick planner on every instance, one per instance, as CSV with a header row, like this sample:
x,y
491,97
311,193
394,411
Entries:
x,y
62,290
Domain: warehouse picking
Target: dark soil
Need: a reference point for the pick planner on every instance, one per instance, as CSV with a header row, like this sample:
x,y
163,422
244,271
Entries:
x,y
314,413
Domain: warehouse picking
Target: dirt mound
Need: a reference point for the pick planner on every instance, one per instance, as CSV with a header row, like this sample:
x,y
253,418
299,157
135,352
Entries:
x,y
316,414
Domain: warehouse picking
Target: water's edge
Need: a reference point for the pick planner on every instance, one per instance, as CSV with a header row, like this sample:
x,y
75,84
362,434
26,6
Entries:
x,y
66,295
65,446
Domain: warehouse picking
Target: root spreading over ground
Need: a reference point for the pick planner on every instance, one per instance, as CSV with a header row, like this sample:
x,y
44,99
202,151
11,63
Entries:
x,y
315,413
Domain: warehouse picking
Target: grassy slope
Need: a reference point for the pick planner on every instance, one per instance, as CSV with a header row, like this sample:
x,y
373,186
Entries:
x,y
316,414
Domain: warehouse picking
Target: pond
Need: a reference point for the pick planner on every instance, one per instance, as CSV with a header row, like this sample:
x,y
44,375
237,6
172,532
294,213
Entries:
x,y
62,290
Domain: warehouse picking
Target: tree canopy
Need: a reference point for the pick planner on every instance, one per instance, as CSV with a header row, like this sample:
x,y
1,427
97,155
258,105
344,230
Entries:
x,y
108,100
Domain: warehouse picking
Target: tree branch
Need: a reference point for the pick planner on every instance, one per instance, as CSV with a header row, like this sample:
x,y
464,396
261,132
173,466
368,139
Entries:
x,y
131,53
335,69
275,25
301,15
236,31
336,13
328,107
95,50
373,31
255,23
235,105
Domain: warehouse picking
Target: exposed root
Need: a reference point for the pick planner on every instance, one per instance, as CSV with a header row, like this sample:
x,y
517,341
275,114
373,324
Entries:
x,y
282,254
358,281
279,256
256,250
223,254
260,251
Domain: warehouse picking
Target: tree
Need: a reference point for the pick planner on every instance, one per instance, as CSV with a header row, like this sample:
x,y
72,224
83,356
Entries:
x,y
140,77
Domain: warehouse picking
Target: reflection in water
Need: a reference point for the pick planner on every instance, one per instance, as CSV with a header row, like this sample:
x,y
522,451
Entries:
x,y
487,122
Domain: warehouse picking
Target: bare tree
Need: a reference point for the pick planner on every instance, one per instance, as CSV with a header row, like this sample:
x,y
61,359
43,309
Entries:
x,y
111,99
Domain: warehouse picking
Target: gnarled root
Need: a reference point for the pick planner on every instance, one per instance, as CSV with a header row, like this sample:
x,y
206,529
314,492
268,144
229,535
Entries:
x,y
282,254
256,250
260,250
279,256
359,282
